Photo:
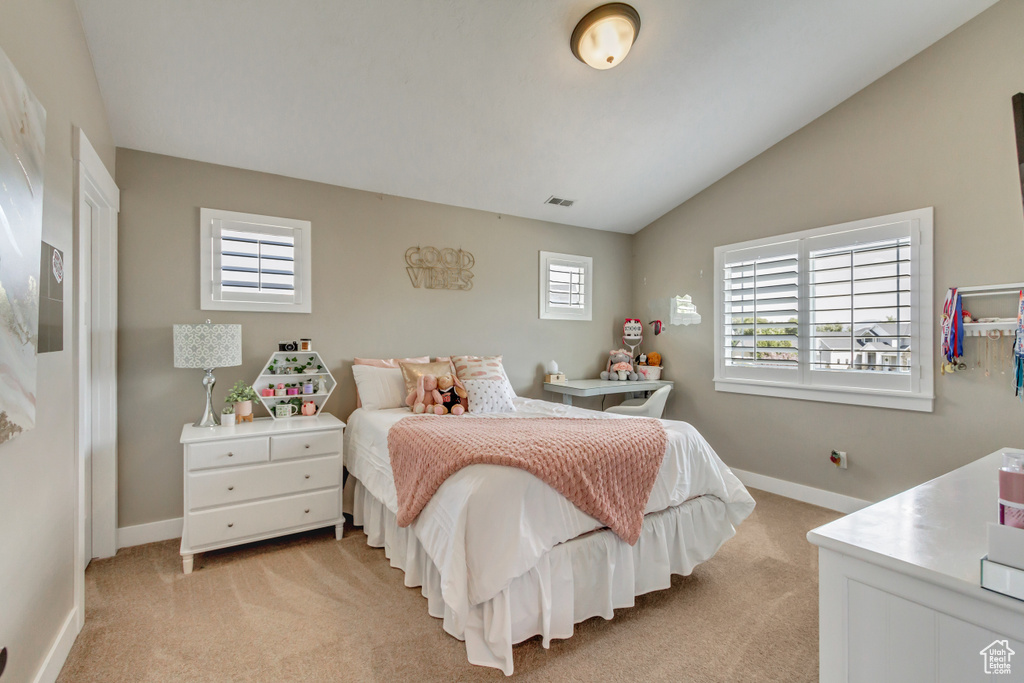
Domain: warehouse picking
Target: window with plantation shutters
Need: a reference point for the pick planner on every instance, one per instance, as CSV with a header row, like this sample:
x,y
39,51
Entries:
x,y
762,312
861,307
254,263
566,286
839,314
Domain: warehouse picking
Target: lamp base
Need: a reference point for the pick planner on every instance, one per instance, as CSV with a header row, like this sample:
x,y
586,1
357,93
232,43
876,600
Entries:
x,y
209,418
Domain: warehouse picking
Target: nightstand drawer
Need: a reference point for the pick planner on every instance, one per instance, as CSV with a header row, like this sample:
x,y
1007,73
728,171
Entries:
x,y
265,518
229,452
288,446
237,485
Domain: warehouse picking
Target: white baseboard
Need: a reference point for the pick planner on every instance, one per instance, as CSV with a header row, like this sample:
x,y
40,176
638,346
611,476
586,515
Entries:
x,y
58,653
806,494
140,534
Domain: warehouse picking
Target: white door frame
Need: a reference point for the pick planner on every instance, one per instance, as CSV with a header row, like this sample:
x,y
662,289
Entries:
x,y
95,358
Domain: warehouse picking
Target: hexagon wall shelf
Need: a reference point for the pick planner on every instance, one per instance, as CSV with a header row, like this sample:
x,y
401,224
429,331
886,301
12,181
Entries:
x,y
295,368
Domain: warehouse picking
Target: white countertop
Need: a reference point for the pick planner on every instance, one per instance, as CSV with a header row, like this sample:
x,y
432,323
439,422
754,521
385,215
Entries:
x,y
936,531
597,387
262,426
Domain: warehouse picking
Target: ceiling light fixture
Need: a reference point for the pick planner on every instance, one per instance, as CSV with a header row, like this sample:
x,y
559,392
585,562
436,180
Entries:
x,y
603,37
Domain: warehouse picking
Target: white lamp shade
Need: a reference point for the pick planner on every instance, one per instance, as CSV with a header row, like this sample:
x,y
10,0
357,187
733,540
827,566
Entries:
x,y
207,346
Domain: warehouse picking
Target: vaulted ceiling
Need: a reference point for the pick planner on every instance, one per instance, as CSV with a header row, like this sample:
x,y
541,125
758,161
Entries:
x,y
480,103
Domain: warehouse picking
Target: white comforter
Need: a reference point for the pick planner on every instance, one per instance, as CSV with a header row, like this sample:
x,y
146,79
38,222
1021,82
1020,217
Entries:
x,y
488,524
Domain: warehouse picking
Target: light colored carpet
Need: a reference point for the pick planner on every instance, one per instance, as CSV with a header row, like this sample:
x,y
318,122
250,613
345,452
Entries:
x,y
309,608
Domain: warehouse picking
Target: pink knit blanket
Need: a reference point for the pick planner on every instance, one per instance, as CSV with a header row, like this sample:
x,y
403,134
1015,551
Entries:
x,y
606,467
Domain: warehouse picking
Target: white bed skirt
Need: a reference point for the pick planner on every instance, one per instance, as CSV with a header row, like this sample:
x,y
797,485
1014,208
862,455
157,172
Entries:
x,y
586,577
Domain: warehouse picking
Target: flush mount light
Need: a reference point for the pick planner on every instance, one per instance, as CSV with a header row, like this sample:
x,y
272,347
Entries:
x,y
603,37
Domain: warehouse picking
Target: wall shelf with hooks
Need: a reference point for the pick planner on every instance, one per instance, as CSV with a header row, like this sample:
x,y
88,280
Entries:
x,y
1003,325
986,326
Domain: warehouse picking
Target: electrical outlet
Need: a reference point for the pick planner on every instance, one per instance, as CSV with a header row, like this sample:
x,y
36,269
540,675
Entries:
x,y
838,459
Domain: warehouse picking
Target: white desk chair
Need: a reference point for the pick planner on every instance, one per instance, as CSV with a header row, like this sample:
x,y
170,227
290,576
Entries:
x,y
643,407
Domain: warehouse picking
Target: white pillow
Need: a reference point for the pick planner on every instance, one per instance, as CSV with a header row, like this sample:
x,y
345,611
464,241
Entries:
x,y
379,388
489,396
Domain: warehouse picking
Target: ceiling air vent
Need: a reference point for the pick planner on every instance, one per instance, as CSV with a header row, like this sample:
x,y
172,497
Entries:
x,y
559,201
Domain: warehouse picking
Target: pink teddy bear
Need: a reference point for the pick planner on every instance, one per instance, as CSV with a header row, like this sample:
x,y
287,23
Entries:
x,y
425,397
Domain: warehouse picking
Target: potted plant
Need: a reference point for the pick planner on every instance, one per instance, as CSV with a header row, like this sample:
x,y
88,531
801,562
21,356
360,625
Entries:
x,y
227,418
242,395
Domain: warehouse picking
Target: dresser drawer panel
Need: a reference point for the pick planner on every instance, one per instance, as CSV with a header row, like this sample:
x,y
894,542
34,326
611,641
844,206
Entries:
x,y
223,525
237,485
229,452
289,446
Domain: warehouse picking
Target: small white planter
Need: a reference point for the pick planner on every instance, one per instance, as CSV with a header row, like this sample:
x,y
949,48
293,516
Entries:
x,y
227,420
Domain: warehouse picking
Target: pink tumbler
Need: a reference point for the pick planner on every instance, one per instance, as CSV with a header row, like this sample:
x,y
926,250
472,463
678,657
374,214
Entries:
x,y
1011,490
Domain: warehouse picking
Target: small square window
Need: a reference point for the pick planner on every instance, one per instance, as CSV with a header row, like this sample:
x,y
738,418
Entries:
x,y
254,263
566,286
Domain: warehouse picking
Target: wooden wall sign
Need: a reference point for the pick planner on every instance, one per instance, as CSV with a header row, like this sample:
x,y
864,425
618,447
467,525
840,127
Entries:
x,y
434,268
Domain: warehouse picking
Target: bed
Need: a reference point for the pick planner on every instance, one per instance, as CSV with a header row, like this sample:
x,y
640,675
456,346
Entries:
x,y
502,557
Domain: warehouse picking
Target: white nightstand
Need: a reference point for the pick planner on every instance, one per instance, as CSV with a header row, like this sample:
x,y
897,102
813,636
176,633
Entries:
x,y
259,480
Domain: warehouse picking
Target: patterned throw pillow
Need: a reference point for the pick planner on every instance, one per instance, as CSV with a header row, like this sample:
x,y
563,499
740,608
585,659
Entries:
x,y
478,367
488,396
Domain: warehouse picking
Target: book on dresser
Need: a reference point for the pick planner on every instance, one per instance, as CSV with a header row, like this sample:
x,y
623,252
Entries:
x,y
259,480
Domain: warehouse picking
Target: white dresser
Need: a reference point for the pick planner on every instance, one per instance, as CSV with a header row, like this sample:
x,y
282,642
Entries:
x,y
258,480
899,593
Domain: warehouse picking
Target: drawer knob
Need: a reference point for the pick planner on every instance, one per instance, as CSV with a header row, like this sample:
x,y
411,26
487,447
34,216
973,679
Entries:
x,y
231,488
307,445
230,524
231,455
307,511
307,476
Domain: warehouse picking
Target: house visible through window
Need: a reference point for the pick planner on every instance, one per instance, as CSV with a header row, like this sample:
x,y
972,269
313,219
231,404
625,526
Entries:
x,y
841,314
255,263
566,289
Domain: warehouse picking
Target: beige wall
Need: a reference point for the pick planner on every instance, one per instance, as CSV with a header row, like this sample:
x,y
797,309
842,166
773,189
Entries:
x,y
937,131
37,476
363,301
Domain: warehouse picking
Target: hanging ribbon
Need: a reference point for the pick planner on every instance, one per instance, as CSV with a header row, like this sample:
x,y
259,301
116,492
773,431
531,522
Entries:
x,y
1018,351
952,331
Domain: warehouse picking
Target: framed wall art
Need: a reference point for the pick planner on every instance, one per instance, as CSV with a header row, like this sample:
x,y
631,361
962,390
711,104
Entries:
x,y
22,147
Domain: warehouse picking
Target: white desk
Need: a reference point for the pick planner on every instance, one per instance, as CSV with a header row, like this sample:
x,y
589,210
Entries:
x,y
899,593
601,387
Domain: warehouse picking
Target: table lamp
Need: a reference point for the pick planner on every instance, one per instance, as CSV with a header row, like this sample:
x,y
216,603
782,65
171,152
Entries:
x,y
207,346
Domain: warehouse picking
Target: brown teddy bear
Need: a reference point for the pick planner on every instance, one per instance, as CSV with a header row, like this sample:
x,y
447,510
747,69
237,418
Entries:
x,y
452,392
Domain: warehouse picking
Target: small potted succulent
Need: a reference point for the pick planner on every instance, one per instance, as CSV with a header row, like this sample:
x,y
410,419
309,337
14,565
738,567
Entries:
x,y
227,417
241,396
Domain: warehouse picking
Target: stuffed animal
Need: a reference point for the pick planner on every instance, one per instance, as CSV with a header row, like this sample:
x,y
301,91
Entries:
x,y
425,398
452,392
620,366
641,359
654,358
